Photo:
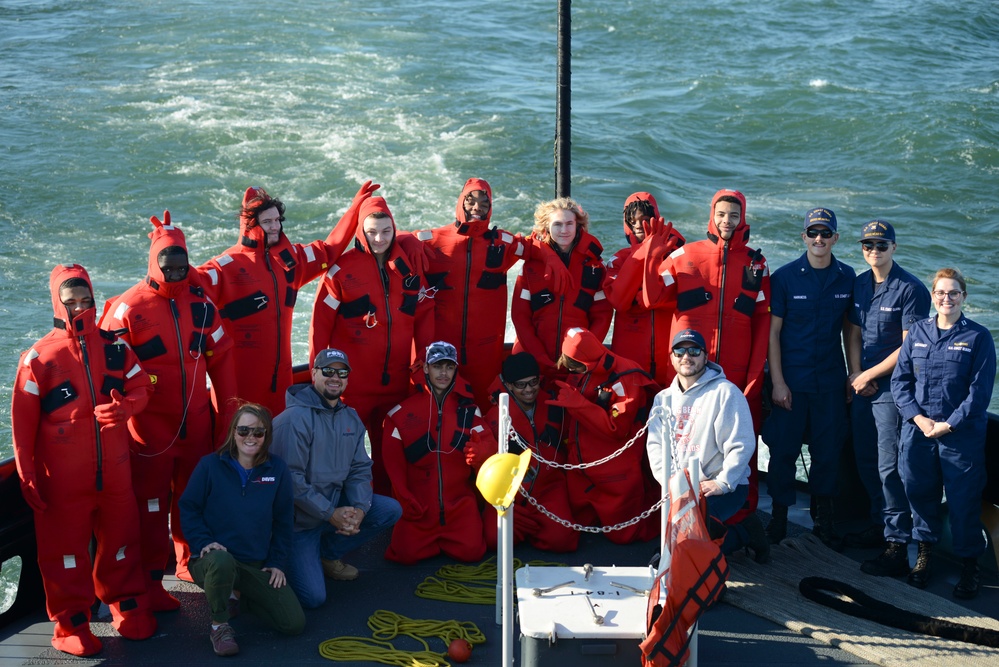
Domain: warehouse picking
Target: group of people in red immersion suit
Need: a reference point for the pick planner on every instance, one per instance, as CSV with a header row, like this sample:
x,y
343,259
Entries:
x,y
423,316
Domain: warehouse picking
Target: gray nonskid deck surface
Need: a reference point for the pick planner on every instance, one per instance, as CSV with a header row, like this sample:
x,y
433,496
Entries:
x,y
728,635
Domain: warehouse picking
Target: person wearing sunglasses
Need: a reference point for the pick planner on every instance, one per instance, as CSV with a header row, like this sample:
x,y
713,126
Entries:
x,y
176,331
702,415
543,429
322,441
942,385
237,512
887,301
809,299
427,438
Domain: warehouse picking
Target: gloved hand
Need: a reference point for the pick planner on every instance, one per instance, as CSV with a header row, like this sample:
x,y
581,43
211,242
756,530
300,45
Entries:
x,y
156,221
29,489
555,270
568,396
420,254
654,226
476,451
366,190
114,413
411,510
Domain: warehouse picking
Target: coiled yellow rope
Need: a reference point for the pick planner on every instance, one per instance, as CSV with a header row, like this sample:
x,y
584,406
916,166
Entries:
x,y
470,584
387,625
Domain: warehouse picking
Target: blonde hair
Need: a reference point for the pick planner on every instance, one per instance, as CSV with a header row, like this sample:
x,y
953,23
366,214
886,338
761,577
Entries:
x,y
545,209
949,274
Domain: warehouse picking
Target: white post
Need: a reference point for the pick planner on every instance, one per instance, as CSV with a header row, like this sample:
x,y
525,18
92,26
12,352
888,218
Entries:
x,y
502,448
694,465
505,530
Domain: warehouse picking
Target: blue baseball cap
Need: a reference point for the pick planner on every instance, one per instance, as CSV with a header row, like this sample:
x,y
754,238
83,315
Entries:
x,y
877,230
441,351
690,336
820,216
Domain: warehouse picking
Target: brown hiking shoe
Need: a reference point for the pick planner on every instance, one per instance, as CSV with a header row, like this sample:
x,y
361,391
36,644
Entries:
x,y
224,640
337,569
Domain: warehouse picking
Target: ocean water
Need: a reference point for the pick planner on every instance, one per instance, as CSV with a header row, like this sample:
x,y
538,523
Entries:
x,y
112,111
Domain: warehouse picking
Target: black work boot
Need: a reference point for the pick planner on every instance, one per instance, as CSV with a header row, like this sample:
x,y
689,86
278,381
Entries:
x,y
777,528
892,562
967,586
920,574
756,538
824,528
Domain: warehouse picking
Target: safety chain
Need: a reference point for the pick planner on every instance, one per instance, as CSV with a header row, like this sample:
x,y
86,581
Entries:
x,y
592,529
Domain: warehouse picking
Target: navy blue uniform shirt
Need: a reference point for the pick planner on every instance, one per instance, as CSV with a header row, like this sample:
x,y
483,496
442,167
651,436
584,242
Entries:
x,y
812,305
946,375
884,311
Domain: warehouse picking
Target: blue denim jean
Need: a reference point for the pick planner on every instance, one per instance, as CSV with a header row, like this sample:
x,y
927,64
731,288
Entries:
x,y
725,506
322,542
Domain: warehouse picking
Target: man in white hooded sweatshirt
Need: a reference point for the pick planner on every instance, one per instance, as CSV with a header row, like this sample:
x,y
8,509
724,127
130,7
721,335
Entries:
x,y
703,415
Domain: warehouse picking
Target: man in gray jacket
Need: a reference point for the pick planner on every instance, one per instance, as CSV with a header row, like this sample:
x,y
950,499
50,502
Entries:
x,y
322,441
702,415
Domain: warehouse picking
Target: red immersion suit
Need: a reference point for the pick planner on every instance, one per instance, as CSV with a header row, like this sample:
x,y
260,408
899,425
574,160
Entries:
x,y
722,290
639,333
255,289
73,465
178,336
424,452
608,405
542,314
546,437
469,273
375,315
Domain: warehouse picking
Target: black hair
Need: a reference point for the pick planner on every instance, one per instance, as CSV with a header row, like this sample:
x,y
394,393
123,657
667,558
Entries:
x,y
640,206
73,282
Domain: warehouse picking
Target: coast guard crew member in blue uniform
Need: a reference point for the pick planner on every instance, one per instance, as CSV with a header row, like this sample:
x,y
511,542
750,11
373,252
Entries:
x,y
887,300
809,299
942,385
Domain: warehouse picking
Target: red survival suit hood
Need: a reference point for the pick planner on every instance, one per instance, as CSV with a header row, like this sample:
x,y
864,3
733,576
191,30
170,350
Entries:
x,y
638,196
741,235
472,227
84,323
370,206
164,235
582,346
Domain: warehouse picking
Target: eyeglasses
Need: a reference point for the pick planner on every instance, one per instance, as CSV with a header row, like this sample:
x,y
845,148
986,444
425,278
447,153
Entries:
x,y
882,246
258,432
824,233
952,295
523,384
329,372
692,352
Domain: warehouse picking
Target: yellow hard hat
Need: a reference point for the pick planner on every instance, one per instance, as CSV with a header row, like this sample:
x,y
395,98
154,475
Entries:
x,y
500,477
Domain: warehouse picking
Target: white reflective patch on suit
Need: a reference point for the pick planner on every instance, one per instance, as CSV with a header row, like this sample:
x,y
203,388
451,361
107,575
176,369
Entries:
x,y
331,301
119,312
31,355
153,505
618,388
525,295
425,235
333,270
136,369
30,387
394,410
599,296
760,297
678,252
506,237
213,275
224,259
575,331
396,434
69,562
120,555
477,429
217,334
520,250
310,253
668,279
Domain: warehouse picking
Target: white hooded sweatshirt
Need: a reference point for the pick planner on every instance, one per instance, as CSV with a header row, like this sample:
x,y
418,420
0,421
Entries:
x,y
712,421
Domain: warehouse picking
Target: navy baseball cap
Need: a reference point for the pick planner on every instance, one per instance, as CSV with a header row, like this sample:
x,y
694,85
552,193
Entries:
x,y
689,336
877,230
329,357
820,216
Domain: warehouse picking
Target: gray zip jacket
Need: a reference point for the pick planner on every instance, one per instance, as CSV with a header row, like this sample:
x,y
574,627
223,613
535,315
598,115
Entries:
x,y
324,449
711,420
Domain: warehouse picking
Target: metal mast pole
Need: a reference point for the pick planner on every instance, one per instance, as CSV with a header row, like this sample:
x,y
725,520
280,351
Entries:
x,y
563,100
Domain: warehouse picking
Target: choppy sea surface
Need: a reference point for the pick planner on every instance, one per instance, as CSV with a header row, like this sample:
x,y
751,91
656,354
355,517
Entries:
x,y
112,111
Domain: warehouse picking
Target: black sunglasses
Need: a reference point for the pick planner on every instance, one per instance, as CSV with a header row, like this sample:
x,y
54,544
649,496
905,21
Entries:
x,y
523,384
882,246
329,372
692,352
258,432
824,233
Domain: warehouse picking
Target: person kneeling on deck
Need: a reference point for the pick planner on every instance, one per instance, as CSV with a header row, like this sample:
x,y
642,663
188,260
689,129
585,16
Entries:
x,y
426,440
704,415
237,515
322,441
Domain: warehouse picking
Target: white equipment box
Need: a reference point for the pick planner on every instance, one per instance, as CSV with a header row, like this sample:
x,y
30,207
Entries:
x,y
571,616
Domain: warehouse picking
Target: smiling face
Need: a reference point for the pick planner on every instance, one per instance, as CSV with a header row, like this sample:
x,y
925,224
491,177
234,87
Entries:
x,y
687,367
816,245
878,254
379,233
727,216
270,222
525,391
330,388
562,229
476,205
948,297
249,445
